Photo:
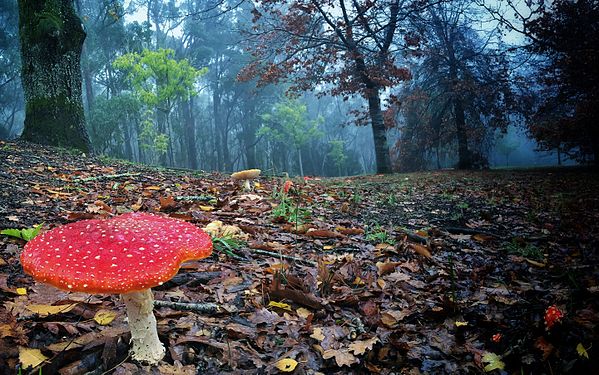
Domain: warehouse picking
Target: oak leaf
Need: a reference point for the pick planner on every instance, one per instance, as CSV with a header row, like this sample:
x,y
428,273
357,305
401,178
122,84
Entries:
x,y
342,357
360,347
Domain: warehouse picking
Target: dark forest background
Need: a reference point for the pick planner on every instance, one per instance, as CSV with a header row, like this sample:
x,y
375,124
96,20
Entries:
x,y
324,87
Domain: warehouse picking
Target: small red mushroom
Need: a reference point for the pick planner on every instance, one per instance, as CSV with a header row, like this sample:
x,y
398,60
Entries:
x,y
127,254
553,315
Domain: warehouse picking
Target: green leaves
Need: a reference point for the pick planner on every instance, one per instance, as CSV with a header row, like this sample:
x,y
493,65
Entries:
x,y
288,123
26,234
157,78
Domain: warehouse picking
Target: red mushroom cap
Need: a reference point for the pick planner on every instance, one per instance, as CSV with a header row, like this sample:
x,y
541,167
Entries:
x,y
127,253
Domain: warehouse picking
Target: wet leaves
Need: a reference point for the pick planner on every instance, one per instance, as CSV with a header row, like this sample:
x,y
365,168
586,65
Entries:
x,y
460,282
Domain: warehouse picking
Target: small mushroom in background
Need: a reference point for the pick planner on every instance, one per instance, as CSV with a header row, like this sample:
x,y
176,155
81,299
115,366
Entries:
x,y
128,255
246,176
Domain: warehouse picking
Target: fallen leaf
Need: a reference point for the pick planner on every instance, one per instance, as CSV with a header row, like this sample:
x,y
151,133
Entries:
x,y
5,330
349,231
320,233
386,267
535,263
303,312
545,346
286,364
22,291
176,369
104,317
317,334
493,362
31,357
280,305
460,324
342,356
421,250
45,310
167,202
581,350
360,347
391,317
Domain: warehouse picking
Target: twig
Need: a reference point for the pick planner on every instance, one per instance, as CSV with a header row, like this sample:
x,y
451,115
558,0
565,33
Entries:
x,y
413,236
205,308
106,177
201,198
288,257
460,230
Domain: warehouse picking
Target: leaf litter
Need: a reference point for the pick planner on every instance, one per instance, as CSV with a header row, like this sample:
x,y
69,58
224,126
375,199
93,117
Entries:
x,y
433,272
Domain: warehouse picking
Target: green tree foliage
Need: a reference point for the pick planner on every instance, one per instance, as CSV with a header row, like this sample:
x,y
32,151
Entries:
x,y
338,154
158,81
112,118
288,125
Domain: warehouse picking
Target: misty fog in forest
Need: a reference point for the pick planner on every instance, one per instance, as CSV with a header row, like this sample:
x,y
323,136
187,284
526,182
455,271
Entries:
x,y
327,88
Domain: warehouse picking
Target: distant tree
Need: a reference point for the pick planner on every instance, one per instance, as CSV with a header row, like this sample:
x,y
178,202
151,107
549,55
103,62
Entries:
x,y
288,125
506,146
115,119
464,79
344,47
52,37
338,154
159,81
567,32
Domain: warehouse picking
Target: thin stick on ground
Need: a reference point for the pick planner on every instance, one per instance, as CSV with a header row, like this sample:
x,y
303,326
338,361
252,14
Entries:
x,y
204,308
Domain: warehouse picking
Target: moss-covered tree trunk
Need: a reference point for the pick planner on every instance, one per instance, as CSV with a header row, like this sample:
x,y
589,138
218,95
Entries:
x,y
51,41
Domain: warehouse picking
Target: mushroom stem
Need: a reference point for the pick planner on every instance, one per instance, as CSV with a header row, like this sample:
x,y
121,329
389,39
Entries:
x,y
145,344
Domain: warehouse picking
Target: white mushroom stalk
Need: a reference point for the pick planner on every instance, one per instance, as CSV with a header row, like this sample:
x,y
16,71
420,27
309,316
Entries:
x,y
126,255
145,344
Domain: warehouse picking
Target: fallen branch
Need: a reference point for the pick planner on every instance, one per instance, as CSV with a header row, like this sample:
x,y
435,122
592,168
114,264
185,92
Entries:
x,y
197,198
106,177
288,257
460,230
204,308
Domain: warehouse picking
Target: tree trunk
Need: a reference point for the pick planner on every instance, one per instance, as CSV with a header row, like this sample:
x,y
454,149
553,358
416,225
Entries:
x,y
301,162
379,133
51,42
190,134
460,127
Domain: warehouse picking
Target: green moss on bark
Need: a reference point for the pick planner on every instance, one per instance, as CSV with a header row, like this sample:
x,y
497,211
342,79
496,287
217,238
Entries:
x,y
53,121
52,38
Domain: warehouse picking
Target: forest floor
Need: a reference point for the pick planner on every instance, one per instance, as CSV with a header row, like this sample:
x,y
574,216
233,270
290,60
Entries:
x,y
439,272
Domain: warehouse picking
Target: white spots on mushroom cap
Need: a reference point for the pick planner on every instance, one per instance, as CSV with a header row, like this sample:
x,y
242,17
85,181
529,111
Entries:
x,y
124,240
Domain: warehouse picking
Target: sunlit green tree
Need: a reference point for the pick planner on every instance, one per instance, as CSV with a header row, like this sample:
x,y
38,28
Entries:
x,y
288,124
159,81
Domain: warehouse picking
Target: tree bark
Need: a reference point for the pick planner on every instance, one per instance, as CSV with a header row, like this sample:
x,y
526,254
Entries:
x,y
52,38
464,161
379,132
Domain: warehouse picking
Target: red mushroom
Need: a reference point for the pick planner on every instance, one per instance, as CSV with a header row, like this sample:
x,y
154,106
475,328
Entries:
x,y
127,254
